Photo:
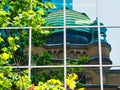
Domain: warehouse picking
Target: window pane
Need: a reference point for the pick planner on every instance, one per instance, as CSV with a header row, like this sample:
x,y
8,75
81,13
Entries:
x,y
50,52
76,18
87,7
45,74
111,78
112,39
109,13
20,39
58,4
88,78
105,46
76,15
55,15
69,4
82,46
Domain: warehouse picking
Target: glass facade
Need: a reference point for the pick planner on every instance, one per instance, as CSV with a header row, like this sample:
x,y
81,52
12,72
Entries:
x,y
84,40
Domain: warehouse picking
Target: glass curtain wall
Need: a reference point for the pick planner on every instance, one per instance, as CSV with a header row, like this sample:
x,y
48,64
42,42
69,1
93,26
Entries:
x,y
84,40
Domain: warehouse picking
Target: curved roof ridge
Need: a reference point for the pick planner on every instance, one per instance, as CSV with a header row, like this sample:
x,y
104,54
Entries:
x,y
73,18
69,10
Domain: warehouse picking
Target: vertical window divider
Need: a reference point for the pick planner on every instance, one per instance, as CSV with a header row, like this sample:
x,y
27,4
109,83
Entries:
x,y
99,44
30,46
30,51
65,65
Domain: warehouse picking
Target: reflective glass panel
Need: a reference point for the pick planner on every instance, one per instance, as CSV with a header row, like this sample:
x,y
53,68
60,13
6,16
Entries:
x,y
45,74
16,41
55,17
82,46
49,49
111,78
87,7
112,39
88,78
109,12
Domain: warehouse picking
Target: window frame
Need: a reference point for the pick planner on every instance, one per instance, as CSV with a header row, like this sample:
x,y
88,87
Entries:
x,y
65,66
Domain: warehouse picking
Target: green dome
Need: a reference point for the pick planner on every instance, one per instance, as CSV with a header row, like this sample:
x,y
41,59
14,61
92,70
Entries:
x,y
73,35
73,18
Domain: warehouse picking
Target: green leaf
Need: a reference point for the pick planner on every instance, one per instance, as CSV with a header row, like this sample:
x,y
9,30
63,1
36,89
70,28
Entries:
x,y
1,39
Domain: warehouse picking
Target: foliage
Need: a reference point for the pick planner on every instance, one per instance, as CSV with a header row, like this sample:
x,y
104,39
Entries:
x,y
26,13
46,74
5,83
20,39
51,84
42,59
72,81
7,47
83,60
20,80
8,78
55,84
23,13
5,54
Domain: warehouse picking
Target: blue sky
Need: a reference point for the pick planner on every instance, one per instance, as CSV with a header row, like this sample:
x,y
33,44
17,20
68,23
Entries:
x,y
109,14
